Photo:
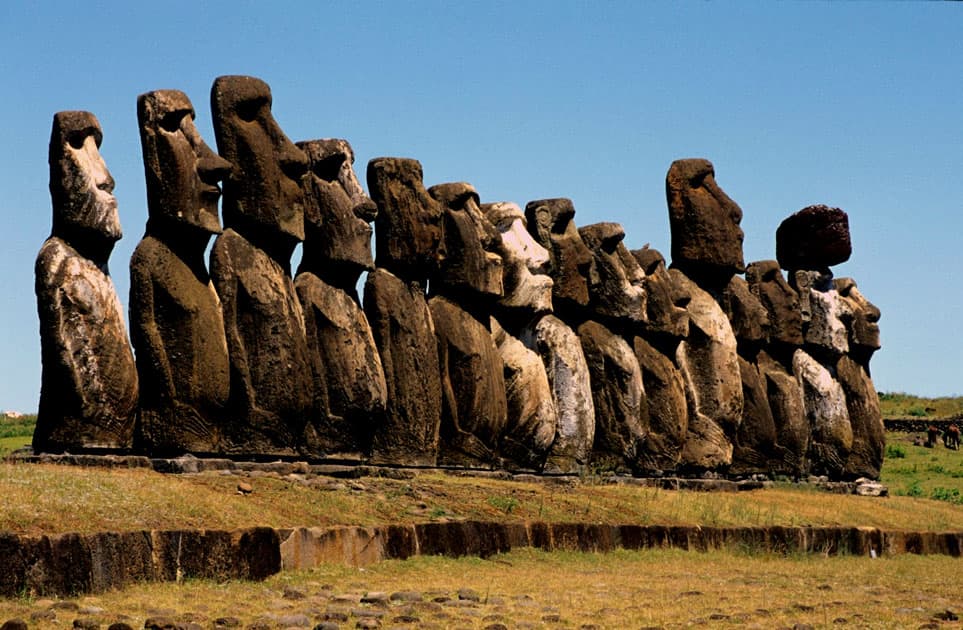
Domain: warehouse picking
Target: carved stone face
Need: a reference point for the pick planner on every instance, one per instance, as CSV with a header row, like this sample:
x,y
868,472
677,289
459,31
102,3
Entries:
x,y
338,214
704,221
263,190
825,314
748,317
779,299
552,223
409,222
81,187
665,305
526,285
471,242
863,327
182,171
619,293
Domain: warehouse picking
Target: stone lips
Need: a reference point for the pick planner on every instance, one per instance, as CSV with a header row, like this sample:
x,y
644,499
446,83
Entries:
x,y
816,237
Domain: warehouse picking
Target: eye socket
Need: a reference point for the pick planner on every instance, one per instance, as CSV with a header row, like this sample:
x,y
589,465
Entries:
x,y
77,139
171,122
248,110
329,167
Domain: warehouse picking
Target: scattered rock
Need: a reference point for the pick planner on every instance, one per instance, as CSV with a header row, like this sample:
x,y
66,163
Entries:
x,y
368,613
406,596
496,626
294,621
469,594
405,619
43,615
368,624
71,606
120,625
334,615
947,615
244,488
375,598
85,623
227,622
327,625
159,623
290,592
14,624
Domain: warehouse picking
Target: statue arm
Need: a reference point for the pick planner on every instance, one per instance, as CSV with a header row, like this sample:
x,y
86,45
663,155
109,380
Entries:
x,y
151,354
227,285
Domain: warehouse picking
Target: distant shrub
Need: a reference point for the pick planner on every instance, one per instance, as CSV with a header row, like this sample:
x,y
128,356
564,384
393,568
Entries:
x,y
895,451
950,495
917,411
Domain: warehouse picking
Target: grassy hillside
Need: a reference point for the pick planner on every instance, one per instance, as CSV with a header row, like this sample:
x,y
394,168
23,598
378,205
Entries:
x,y
900,405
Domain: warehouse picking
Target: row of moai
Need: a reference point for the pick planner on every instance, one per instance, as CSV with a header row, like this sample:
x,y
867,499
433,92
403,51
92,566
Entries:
x,y
488,336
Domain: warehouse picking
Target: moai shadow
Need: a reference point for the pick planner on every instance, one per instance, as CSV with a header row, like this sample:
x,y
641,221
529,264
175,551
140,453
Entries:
x,y
88,391
616,307
271,384
852,370
807,244
655,344
177,327
775,363
572,268
408,247
706,254
532,416
349,382
468,281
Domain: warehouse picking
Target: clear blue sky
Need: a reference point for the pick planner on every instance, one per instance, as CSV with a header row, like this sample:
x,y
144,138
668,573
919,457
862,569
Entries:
x,y
856,105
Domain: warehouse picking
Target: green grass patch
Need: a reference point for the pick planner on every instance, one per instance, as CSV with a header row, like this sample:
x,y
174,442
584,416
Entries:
x,y
902,405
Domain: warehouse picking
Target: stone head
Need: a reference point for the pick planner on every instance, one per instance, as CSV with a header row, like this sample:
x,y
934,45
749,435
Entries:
x,y
337,212
863,327
551,223
182,172
665,303
619,294
527,287
816,237
409,223
824,312
704,222
262,194
81,187
780,301
472,264
746,313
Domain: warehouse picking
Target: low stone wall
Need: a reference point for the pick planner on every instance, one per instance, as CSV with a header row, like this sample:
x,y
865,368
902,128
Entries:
x,y
918,425
69,564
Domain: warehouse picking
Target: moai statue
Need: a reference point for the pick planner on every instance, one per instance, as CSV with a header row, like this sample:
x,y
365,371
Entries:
x,y
655,344
755,448
706,254
532,417
616,307
775,363
408,247
349,382
177,326
468,281
572,268
88,391
271,384
807,244
852,370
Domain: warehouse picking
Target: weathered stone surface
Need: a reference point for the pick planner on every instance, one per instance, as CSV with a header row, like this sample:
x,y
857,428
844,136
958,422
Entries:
x,y
337,215
755,449
816,237
709,364
572,267
824,328
704,222
471,270
665,305
863,327
532,417
409,244
404,335
621,410
747,316
568,376
409,221
862,404
88,392
349,383
474,407
271,385
668,411
780,301
177,326
527,289
619,294
788,408
832,434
